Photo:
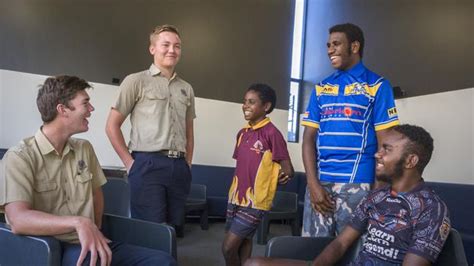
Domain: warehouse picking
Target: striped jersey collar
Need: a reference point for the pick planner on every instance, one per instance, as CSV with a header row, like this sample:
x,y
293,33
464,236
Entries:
x,y
259,124
355,71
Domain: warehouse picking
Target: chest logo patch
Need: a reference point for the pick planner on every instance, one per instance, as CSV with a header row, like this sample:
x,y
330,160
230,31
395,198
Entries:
x,y
257,147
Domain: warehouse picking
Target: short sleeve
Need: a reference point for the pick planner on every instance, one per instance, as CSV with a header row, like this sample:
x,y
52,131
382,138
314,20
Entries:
x,y
278,146
237,143
98,177
191,111
128,95
430,231
385,112
18,179
312,115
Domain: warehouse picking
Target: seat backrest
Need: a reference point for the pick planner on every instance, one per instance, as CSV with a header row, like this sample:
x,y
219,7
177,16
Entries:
x,y
453,251
197,192
116,196
28,250
305,248
285,201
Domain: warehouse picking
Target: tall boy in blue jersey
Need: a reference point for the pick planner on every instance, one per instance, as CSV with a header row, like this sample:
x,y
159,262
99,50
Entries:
x,y
347,113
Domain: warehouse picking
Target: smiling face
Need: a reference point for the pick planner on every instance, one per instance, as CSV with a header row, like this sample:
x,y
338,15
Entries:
x,y
77,112
391,157
253,107
342,54
166,50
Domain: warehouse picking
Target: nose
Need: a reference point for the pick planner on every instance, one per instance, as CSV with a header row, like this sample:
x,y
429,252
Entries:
x,y
91,108
330,49
378,154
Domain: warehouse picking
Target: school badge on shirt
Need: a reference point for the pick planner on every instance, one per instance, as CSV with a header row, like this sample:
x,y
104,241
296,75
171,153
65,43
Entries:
x,y
81,165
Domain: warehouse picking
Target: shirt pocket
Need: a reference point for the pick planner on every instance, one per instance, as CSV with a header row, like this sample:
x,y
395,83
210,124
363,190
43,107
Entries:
x,y
45,193
83,186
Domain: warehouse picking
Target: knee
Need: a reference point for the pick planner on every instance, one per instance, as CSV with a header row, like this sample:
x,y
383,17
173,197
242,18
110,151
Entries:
x,y
256,261
228,250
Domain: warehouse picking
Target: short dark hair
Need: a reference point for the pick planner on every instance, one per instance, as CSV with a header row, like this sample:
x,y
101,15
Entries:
x,y
353,33
58,90
265,93
420,143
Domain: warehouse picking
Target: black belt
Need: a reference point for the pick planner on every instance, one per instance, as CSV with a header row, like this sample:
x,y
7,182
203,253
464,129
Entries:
x,y
173,154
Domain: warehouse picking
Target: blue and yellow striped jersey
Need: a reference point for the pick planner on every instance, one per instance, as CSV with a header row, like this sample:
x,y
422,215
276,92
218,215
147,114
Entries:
x,y
348,108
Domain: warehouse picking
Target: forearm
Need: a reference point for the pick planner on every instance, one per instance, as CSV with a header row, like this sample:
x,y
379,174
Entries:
x,y
189,140
115,135
32,222
330,255
98,206
309,159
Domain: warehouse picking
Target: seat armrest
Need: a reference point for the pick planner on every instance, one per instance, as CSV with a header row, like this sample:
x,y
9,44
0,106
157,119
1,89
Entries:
x,y
28,250
140,233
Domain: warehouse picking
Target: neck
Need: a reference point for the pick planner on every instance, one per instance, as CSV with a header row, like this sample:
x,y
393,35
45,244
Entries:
x,y
406,183
166,72
56,135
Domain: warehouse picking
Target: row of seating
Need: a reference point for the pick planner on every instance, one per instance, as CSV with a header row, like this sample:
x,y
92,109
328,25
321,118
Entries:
x,y
46,250
308,248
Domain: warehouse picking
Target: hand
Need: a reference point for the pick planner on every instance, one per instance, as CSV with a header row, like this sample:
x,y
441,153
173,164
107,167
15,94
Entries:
x,y
321,201
93,241
283,178
129,166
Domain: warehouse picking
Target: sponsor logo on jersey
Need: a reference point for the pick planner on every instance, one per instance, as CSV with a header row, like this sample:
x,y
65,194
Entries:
x,y
327,90
444,229
361,89
392,112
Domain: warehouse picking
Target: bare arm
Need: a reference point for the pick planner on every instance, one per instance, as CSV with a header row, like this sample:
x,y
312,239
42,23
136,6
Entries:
x,y
412,259
338,247
286,171
115,135
189,140
26,221
320,199
98,206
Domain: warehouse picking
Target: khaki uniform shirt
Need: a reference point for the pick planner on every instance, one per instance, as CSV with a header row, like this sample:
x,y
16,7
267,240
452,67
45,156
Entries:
x,y
59,185
158,109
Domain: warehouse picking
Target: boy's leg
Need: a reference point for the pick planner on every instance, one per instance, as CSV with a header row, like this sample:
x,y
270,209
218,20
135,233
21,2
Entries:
x,y
125,254
314,223
230,249
347,197
148,179
177,193
241,225
245,251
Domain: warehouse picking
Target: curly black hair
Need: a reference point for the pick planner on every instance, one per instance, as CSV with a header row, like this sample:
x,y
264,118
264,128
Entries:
x,y
421,143
266,94
353,33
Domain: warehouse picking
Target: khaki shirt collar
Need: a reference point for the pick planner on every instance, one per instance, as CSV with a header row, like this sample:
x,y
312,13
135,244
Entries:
x,y
154,71
45,147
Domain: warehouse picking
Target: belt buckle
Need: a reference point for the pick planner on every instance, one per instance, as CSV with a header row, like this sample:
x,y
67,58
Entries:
x,y
173,154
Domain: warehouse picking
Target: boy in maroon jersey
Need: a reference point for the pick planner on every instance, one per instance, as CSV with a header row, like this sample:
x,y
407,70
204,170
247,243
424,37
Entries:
x,y
262,162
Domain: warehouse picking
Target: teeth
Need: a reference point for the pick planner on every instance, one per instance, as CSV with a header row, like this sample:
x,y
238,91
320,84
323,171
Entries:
x,y
247,113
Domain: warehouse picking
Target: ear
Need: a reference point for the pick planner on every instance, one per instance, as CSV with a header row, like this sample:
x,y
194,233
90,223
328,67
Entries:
x,y
152,49
355,46
267,107
61,109
412,161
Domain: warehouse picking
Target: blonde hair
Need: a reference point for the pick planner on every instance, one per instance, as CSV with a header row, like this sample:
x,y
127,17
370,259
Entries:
x,y
162,28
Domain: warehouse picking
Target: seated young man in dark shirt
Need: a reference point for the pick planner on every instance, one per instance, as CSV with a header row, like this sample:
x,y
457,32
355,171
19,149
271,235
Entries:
x,y
406,222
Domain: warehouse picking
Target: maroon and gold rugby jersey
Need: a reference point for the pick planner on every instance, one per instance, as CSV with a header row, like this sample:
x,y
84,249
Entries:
x,y
258,150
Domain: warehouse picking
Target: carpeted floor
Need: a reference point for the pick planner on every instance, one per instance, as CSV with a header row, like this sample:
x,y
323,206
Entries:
x,y
203,248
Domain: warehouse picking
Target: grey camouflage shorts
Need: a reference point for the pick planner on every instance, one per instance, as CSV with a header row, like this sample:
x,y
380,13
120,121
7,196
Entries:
x,y
346,195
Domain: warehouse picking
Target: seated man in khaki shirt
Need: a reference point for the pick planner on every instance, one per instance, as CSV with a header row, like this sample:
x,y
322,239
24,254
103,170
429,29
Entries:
x,y
52,182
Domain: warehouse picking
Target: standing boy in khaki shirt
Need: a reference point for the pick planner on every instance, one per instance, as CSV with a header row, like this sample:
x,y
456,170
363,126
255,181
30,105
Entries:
x,y
160,151
52,182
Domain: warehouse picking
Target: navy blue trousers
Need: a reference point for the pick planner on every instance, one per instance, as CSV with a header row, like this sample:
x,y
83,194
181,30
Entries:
x,y
159,187
122,254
